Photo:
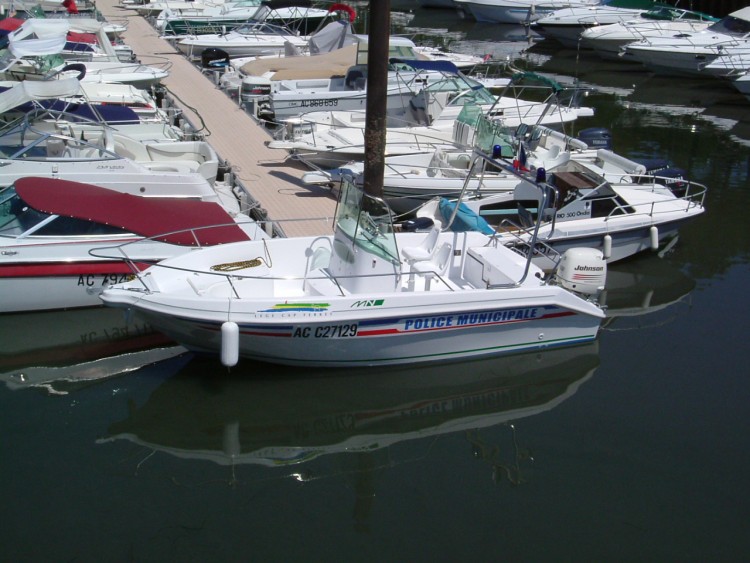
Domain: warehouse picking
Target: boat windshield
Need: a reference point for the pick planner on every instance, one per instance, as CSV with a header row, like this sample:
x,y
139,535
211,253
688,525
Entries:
x,y
366,220
731,26
669,13
18,219
27,140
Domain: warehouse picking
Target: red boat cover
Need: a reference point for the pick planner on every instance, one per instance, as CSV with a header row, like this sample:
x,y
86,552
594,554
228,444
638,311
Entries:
x,y
77,37
161,218
11,24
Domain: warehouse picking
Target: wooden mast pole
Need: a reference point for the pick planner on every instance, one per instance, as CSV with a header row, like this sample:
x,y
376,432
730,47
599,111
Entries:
x,y
377,79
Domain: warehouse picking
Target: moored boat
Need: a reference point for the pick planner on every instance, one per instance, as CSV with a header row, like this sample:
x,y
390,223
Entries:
x,y
50,227
366,295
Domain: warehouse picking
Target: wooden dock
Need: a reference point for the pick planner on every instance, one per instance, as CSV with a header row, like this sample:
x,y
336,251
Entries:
x,y
269,175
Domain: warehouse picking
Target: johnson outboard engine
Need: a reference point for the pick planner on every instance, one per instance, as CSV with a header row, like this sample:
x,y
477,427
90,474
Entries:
x,y
596,137
582,270
214,58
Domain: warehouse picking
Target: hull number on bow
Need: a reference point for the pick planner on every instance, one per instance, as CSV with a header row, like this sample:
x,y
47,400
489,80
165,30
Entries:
x,y
326,331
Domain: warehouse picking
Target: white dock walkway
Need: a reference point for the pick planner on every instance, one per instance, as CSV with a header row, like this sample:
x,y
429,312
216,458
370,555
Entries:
x,y
271,178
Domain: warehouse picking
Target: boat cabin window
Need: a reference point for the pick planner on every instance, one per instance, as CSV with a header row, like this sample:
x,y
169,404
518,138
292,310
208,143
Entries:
x,y
605,202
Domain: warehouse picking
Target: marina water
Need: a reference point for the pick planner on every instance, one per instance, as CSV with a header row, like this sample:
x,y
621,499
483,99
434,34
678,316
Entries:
x,y
119,446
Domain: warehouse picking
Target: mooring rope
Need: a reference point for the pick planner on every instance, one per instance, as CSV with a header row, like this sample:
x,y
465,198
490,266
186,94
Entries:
x,y
234,266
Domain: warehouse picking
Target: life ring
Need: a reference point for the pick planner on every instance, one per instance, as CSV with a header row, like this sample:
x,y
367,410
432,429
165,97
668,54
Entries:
x,y
344,8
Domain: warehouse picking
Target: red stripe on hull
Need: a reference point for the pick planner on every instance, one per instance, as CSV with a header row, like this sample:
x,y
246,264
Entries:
x,y
54,269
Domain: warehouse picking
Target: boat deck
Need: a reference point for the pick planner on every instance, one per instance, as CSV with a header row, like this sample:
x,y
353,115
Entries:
x,y
271,178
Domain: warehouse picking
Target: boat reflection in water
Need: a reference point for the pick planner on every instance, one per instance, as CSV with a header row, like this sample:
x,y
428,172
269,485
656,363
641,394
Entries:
x,y
638,289
60,351
278,416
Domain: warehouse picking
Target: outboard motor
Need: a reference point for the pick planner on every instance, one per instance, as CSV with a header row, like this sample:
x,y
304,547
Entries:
x,y
596,137
666,175
214,58
583,270
254,87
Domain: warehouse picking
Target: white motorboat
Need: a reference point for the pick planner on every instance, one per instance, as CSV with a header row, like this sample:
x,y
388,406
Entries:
x,y
620,219
50,227
34,54
247,40
410,181
153,9
731,62
689,53
104,99
347,92
335,138
366,295
77,140
334,51
104,154
609,40
255,37
298,16
515,11
567,24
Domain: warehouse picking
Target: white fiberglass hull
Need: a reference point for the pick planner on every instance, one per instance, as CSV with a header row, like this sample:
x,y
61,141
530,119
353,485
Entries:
x,y
511,11
244,46
287,319
424,336
608,41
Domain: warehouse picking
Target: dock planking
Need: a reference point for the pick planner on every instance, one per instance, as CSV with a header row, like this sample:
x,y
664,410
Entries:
x,y
268,175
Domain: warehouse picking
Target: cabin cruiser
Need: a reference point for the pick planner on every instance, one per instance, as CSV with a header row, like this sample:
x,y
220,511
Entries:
x,y
566,25
515,11
609,40
300,17
689,53
619,218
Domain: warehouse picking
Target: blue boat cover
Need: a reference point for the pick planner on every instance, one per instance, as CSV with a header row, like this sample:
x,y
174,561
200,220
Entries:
x,y
438,66
465,220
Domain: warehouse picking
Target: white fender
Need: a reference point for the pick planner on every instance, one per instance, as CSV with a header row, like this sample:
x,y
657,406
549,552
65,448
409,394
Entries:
x,y
230,343
654,234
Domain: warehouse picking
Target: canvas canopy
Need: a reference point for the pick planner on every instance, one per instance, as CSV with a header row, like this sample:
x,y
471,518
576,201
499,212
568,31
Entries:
x,y
315,66
34,90
36,38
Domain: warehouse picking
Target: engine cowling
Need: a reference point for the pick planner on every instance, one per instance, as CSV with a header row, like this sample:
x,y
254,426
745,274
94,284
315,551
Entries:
x,y
583,270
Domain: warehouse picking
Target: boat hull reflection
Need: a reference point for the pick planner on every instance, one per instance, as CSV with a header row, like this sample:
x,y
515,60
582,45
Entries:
x,y
278,416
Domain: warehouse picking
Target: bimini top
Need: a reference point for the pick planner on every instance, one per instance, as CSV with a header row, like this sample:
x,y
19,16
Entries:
x,y
446,67
163,219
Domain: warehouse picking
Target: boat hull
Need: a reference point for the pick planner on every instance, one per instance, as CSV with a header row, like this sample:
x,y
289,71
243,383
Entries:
x,y
339,338
57,290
